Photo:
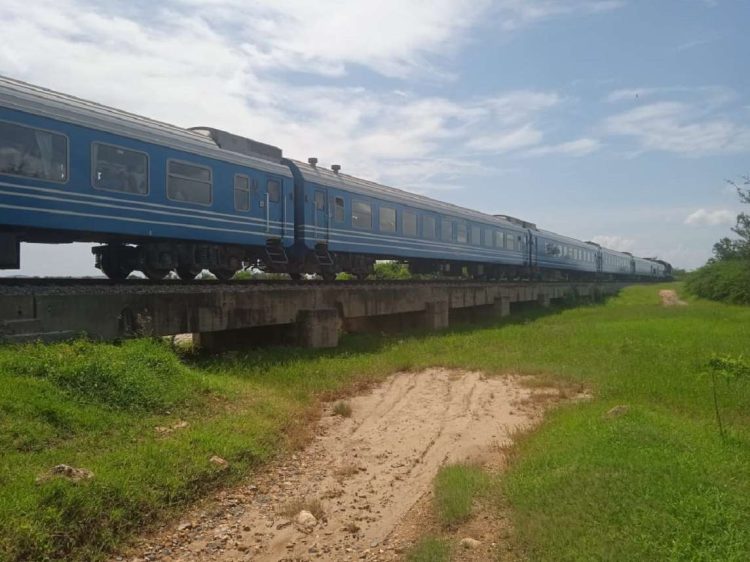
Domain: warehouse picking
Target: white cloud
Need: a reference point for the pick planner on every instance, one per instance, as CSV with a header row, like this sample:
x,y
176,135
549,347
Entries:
x,y
575,148
518,13
619,243
704,217
506,141
680,128
709,97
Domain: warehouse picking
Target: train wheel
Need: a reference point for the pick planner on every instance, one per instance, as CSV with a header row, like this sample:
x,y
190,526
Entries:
x,y
328,275
223,274
187,273
154,273
115,270
295,276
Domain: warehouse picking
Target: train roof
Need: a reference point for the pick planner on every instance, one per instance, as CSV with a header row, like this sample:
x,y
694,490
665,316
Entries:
x,y
21,96
323,176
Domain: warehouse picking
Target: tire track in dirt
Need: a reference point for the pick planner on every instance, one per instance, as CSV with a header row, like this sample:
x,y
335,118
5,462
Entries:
x,y
366,472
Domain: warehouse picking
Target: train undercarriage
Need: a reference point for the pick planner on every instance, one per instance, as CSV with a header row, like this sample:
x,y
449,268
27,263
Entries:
x,y
118,258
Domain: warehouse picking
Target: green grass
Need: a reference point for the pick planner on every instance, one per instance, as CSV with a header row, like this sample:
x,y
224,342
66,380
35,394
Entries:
x,y
657,483
456,487
430,549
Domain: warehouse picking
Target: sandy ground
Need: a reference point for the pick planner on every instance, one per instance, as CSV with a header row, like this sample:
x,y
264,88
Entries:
x,y
370,474
670,298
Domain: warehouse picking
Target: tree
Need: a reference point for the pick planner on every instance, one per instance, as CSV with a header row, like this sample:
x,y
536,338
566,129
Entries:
x,y
726,248
742,228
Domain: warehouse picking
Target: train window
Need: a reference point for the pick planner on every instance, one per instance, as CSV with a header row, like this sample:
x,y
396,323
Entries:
x,y
33,153
476,236
274,191
428,227
462,233
446,230
487,240
499,239
189,183
510,241
361,215
119,169
241,192
387,219
409,220
338,209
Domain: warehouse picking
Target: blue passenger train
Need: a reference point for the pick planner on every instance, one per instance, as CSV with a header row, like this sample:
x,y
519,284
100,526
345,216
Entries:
x,y
159,198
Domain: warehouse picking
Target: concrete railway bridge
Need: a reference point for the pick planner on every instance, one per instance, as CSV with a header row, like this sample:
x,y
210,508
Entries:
x,y
241,314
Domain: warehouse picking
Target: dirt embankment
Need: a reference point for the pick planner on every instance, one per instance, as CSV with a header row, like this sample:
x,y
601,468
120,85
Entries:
x,y
669,298
359,477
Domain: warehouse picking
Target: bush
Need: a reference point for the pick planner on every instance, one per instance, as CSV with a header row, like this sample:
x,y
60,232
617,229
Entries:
x,y
726,280
138,375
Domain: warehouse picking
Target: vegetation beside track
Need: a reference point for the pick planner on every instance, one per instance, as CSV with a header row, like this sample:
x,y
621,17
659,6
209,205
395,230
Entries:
x,y
657,482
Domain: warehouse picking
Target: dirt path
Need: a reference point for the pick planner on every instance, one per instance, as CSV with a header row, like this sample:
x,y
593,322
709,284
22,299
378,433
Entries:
x,y
670,298
364,473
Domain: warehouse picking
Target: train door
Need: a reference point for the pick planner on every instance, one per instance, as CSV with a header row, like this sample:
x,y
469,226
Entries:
x,y
320,215
275,204
531,247
599,261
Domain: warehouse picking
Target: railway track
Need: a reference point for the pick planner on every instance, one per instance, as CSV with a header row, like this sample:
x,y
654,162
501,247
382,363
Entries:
x,y
10,286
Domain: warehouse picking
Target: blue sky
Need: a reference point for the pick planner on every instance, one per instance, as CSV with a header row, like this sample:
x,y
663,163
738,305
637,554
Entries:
x,y
612,120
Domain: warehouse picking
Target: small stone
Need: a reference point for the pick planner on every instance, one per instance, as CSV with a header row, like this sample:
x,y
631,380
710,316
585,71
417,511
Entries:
x,y
306,520
470,543
218,461
617,411
66,471
184,526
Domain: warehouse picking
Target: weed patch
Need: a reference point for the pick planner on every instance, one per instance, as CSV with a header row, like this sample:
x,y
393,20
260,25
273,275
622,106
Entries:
x,y
430,549
456,487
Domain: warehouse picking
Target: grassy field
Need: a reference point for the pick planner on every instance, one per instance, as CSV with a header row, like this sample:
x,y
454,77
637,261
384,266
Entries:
x,y
654,483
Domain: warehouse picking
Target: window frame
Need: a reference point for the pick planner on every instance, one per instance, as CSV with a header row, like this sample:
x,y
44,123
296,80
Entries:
x,y
450,223
210,183
342,220
475,229
44,130
431,219
148,169
404,214
250,184
268,190
382,208
466,229
369,204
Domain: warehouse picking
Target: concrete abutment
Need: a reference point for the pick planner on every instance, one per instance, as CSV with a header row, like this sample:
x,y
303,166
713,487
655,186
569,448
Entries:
x,y
241,316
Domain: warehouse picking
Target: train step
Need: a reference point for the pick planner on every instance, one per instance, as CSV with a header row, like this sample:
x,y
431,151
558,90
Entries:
x,y
323,256
276,254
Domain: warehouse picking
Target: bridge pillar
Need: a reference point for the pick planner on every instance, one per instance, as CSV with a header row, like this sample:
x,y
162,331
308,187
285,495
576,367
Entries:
x,y
436,315
501,307
544,300
318,328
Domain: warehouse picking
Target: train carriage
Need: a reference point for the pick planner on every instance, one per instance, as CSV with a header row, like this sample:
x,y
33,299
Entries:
x,y
347,223
157,196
